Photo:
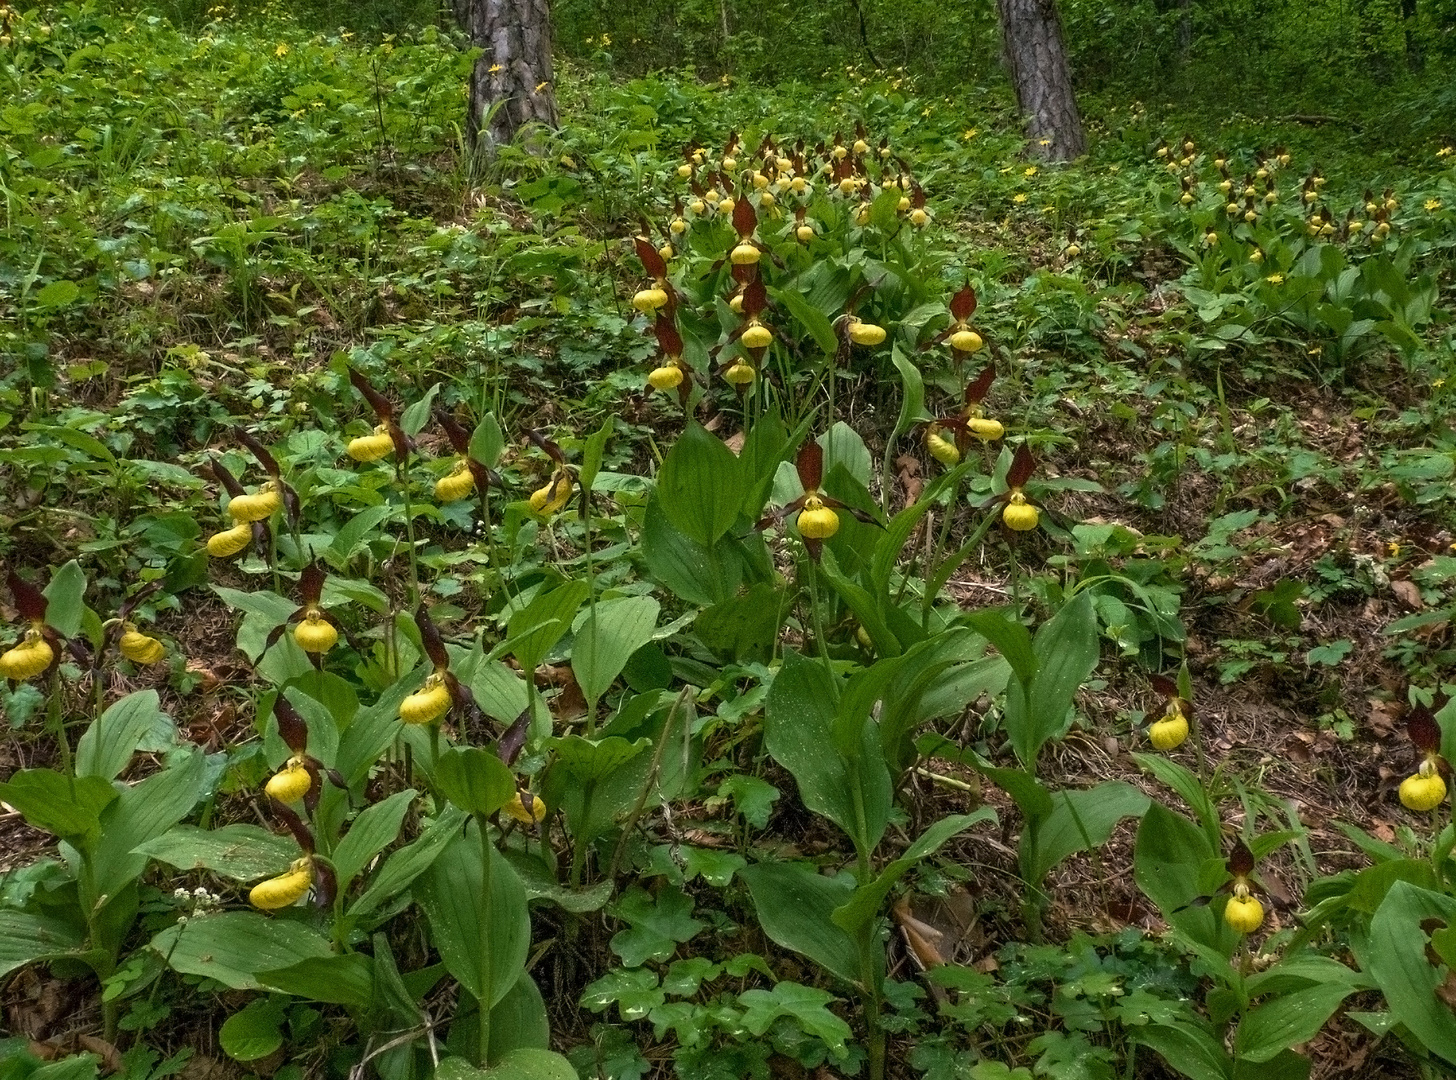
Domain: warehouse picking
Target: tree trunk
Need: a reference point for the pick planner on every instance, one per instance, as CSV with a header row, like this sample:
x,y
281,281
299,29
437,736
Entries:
x,y
1036,58
511,84
1415,56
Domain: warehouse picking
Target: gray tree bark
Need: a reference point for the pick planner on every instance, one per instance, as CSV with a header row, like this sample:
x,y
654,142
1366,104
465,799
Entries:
x,y
511,85
1036,59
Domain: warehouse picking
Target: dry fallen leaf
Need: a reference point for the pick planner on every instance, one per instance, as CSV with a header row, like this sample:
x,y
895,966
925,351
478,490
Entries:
x,y
1409,595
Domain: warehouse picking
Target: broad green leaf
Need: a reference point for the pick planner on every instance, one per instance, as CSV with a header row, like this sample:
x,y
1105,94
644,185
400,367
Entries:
x,y
525,1063
543,622
1010,639
65,596
56,294
820,328
807,1005
487,441
591,454
108,744
1398,963
1188,1048
608,637
867,609
53,803
144,812
474,779
695,573
1066,648
865,903
238,852
843,446
799,734
795,906
25,938
417,414
254,1031
744,626
590,760
233,946
406,864
1189,788
347,979
701,486
519,1020
1168,862
912,405
371,832
541,884
482,941
1287,1020
1081,820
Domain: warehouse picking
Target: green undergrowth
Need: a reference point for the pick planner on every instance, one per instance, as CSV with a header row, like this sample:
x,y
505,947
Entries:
x,y
606,634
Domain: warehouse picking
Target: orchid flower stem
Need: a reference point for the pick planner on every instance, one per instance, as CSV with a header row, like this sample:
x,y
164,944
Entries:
x,y
591,602
409,531
487,856
56,722
489,531
812,579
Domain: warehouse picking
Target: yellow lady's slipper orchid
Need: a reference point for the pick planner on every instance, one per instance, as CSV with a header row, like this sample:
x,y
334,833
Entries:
x,y
649,300
455,486
1424,790
315,634
372,447
290,783
817,521
1169,732
28,659
1019,514
740,374
756,336
285,889
966,341
666,377
141,648
1243,911
428,703
863,333
257,507
516,808
552,496
225,544
745,254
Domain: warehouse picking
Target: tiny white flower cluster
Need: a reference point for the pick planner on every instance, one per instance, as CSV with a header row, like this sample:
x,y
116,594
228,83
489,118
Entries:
x,y
197,900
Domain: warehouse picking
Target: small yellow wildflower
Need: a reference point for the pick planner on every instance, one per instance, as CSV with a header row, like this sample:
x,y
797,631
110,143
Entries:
x,y
281,51
1275,279
1030,171
495,68
1019,197
969,133
1433,204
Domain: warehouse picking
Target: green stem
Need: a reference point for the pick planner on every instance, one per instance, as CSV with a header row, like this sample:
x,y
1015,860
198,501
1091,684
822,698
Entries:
x,y
942,573
409,531
869,974
820,639
486,960
591,603
57,725
578,842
